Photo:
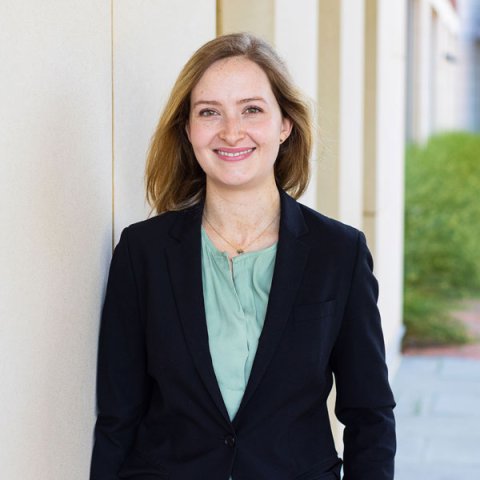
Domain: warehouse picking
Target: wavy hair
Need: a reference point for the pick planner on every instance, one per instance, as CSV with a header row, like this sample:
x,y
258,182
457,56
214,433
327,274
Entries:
x,y
174,179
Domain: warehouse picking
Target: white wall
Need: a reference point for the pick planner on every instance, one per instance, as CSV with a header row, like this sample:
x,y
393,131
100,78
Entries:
x,y
252,16
55,239
57,158
152,41
351,106
64,147
296,31
340,109
390,143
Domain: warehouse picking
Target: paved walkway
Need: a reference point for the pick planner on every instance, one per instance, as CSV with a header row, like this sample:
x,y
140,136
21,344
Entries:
x,y
438,411
438,418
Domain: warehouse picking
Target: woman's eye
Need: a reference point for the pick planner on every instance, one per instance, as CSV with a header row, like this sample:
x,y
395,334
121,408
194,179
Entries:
x,y
253,110
207,113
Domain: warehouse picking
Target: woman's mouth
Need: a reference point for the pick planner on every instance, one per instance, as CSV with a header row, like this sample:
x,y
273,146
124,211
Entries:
x,y
233,154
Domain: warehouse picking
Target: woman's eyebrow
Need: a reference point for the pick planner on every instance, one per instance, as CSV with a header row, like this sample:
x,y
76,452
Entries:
x,y
242,101
206,102
252,99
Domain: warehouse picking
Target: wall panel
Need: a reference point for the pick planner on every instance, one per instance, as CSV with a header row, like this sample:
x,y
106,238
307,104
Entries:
x,y
55,239
152,41
296,40
390,146
252,16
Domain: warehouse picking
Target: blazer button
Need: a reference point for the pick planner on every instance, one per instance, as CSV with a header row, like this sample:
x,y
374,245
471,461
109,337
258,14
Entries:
x,y
229,441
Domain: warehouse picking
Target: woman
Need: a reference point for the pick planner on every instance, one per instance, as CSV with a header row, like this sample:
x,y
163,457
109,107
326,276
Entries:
x,y
227,315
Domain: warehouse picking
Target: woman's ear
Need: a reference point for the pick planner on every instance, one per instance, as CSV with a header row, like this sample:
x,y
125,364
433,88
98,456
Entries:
x,y
187,129
287,126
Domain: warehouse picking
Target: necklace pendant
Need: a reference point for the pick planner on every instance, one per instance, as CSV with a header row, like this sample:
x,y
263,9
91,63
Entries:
x,y
240,251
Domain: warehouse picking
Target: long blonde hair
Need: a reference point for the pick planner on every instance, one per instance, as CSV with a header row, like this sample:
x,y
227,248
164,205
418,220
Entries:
x,y
173,177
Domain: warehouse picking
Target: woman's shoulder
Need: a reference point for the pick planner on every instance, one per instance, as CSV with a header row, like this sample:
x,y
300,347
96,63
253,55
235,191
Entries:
x,y
159,221
328,228
157,230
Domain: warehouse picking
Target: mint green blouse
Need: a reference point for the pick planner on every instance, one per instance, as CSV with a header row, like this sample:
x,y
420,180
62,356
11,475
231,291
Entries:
x,y
235,306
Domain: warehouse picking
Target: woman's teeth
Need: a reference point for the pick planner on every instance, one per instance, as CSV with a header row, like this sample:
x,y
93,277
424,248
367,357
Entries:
x,y
236,154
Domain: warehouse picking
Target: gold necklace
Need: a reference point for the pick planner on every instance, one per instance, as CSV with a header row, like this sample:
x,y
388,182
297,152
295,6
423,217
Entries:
x,y
240,250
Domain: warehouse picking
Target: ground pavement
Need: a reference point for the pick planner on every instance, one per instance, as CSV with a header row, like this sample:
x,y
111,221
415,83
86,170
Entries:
x,y
438,411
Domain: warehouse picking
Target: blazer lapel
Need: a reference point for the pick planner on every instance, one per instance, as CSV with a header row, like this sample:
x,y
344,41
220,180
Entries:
x,y
185,266
290,262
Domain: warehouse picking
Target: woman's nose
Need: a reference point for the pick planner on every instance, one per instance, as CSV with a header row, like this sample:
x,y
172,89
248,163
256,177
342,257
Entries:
x,y
232,130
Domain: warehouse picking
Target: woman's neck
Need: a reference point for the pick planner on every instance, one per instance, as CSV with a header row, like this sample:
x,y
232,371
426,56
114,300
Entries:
x,y
240,216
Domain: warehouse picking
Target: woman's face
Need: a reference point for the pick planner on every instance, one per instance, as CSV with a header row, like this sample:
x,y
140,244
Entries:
x,y
235,125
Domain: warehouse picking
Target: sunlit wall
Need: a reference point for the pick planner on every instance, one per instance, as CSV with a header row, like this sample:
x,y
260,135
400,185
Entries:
x,y
82,86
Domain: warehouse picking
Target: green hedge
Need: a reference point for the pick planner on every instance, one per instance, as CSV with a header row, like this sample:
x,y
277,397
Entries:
x,y
442,234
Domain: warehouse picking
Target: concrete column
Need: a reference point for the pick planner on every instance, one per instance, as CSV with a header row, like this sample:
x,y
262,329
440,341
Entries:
x,y
329,83
390,142
292,29
340,110
149,52
296,40
352,66
424,66
253,16
370,125
56,240
384,159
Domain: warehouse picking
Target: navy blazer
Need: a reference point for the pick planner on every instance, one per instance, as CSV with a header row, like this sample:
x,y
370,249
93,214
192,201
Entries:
x,y
160,410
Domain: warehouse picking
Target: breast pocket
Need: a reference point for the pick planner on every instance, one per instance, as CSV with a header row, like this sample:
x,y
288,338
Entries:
x,y
307,343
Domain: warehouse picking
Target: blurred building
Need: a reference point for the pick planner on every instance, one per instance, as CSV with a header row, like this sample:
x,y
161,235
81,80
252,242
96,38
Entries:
x,y
469,12
443,73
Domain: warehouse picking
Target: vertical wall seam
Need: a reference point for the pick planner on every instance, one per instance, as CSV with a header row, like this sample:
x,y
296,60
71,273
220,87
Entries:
x,y
274,20
218,20
112,65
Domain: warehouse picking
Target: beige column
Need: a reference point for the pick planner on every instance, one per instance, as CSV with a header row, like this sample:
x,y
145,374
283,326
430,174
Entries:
x,y
384,147
390,146
149,51
296,40
253,16
292,29
424,85
352,65
329,83
340,109
56,235
370,125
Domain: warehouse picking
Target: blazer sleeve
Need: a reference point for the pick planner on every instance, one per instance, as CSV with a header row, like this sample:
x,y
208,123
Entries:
x,y
122,382
364,401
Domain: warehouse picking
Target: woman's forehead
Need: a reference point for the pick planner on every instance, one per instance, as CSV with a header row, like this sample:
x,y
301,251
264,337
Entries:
x,y
235,78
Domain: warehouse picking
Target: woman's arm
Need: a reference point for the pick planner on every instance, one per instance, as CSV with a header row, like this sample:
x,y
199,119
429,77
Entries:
x,y
123,387
364,399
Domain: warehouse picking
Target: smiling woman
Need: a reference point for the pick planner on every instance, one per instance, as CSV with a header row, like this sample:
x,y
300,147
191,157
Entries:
x,y
174,177
235,126
228,314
